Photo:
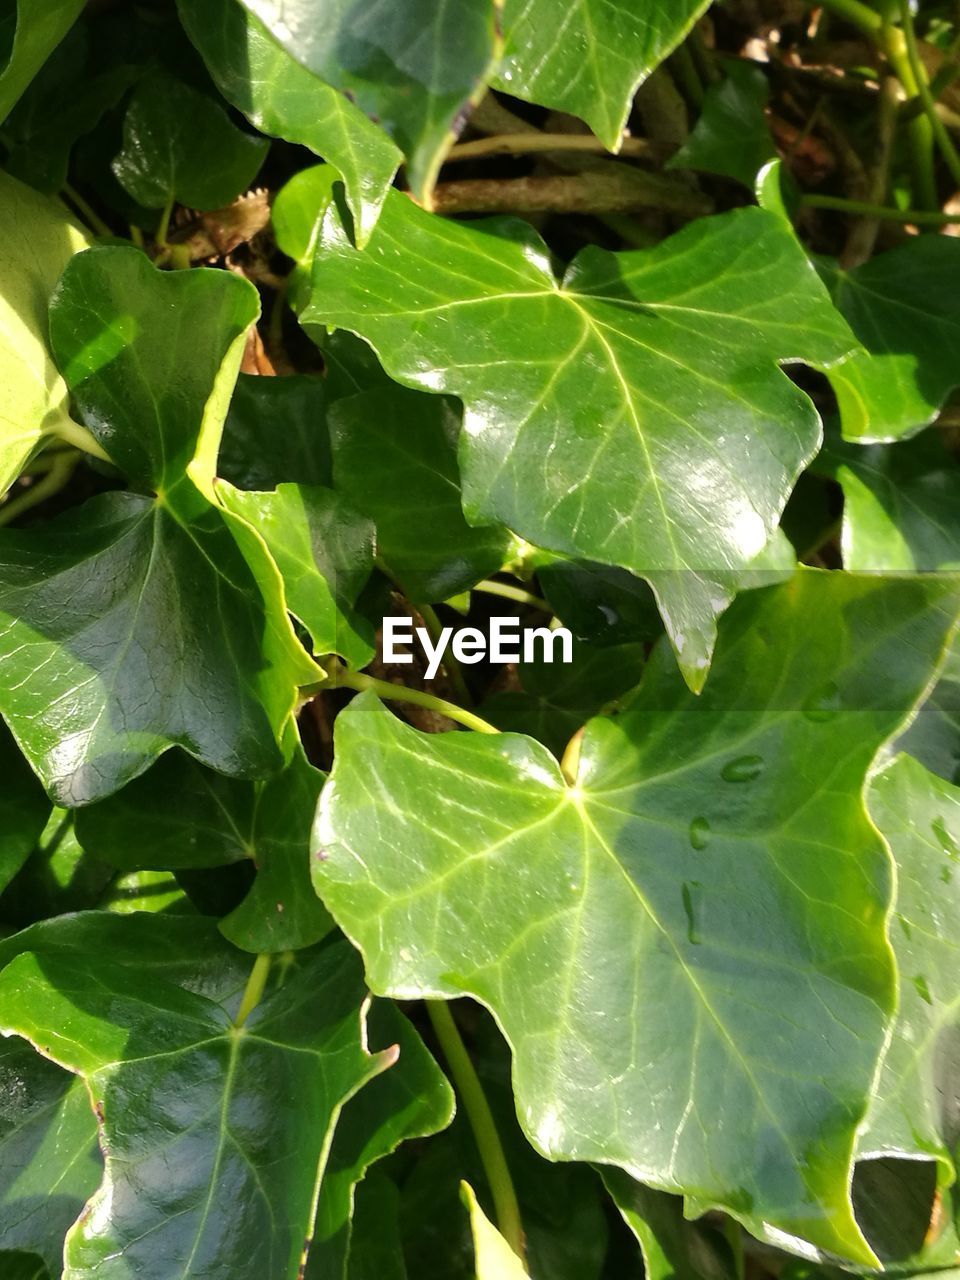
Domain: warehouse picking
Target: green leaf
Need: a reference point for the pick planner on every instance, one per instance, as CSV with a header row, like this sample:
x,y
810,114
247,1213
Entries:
x,y
673,1248
218,821
179,144
276,431
732,136
412,1100
590,58
58,876
495,1260
395,459
284,99
899,504
39,240
934,737
324,551
558,698
24,809
605,606
298,210
23,1266
112,611
708,897
28,35
417,67
376,1251
649,380
919,815
49,1161
904,306
215,1136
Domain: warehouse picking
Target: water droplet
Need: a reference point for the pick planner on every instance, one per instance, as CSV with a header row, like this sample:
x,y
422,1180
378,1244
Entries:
x,y
946,875
610,616
824,705
922,989
700,833
905,926
945,839
743,769
690,894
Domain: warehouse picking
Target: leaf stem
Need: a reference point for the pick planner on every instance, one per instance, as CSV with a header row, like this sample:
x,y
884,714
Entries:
x,y
620,190
253,992
72,433
519,595
341,677
86,211
481,1122
944,141
860,208
450,664
56,478
519,144
857,14
163,228
893,43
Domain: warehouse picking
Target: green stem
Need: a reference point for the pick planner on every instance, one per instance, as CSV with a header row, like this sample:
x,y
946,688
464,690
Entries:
x,y
570,764
520,144
61,469
89,215
481,1122
894,45
518,595
450,664
342,678
944,141
860,208
72,433
857,14
163,229
253,992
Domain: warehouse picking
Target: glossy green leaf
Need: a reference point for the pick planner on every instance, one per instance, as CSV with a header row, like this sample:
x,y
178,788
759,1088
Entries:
x,y
284,99
900,509
559,698
732,136
298,210
919,815
58,876
49,1161
28,35
215,822
179,144
395,459
708,897
495,1260
39,240
412,1100
673,1248
904,306
416,68
649,380
24,809
145,891
135,622
215,1136
376,1251
276,431
324,551
590,58
22,1266
934,737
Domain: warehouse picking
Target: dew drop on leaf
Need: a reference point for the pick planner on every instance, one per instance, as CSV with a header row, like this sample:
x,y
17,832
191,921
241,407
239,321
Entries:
x,y
690,893
824,705
742,769
700,833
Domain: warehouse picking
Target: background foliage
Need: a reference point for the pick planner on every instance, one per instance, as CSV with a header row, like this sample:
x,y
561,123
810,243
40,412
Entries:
x,y
314,969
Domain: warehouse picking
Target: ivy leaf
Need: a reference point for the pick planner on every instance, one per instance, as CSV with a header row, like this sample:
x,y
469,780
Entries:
x,y
28,35
24,809
215,822
934,737
276,431
417,67
732,136
49,1161
284,99
215,1136
899,504
412,1100
673,1248
298,210
39,240
135,622
638,936
57,877
634,414
589,59
495,1260
904,307
395,459
180,144
919,815
23,1266
324,551
376,1251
